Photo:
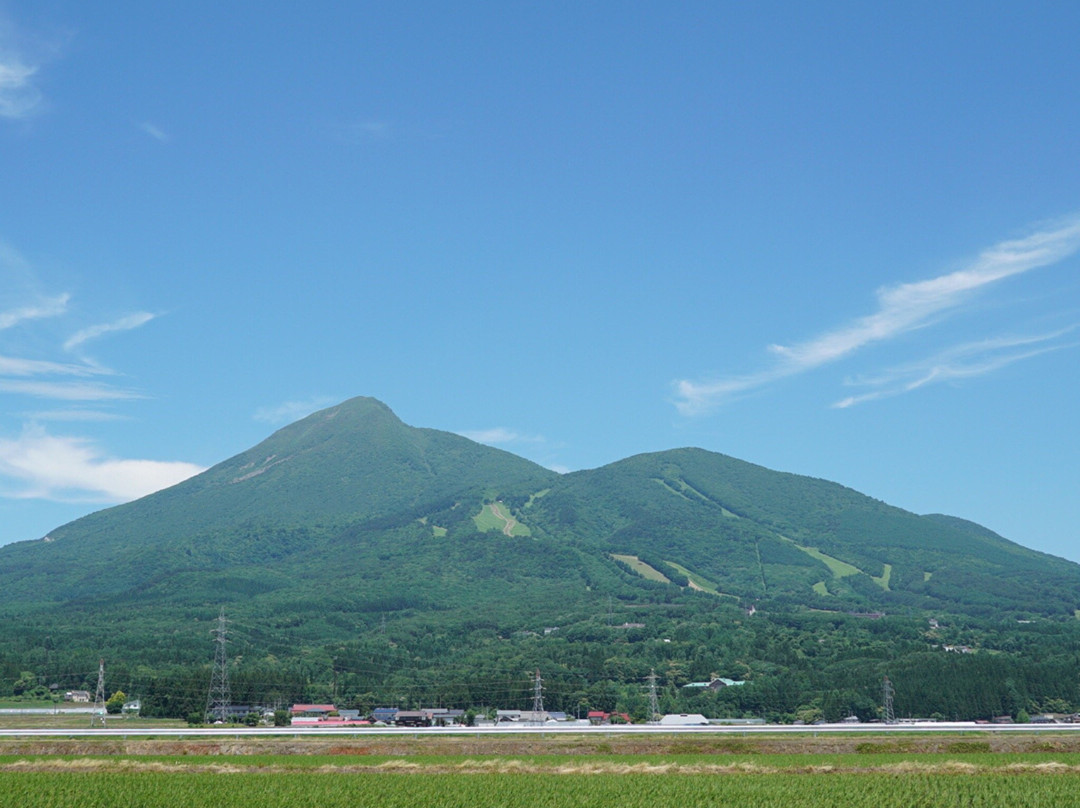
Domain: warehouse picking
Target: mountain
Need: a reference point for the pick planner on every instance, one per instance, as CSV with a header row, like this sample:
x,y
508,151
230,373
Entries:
x,y
350,536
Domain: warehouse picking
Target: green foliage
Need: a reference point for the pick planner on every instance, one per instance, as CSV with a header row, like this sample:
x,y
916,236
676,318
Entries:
x,y
321,543
115,702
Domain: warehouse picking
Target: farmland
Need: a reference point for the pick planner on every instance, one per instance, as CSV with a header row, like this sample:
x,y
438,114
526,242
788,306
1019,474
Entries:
x,y
965,769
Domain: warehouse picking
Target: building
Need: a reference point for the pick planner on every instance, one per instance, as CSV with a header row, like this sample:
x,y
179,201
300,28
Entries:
x,y
684,720
384,714
716,683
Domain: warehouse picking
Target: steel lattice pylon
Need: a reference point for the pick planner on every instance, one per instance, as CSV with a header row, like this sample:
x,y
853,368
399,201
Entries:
x,y
654,702
217,700
888,715
99,697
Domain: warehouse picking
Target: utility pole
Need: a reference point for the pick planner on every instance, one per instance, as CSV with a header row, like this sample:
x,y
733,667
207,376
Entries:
x,y
538,699
654,702
99,697
217,700
888,714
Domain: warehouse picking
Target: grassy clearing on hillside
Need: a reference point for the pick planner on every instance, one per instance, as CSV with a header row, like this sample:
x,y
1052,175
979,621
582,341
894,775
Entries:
x,y
496,516
883,581
840,569
699,582
641,568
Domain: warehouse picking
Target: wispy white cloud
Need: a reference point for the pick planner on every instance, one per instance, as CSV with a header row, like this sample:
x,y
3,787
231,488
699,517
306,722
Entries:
x,y
21,58
127,323
47,307
67,391
66,468
13,366
154,131
367,130
499,435
19,95
75,414
900,309
291,411
959,362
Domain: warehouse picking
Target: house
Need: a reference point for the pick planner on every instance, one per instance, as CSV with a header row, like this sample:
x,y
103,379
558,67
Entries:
x,y
441,717
311,713
132,707
684,720
716,683
413,718
600,717
384,714
82,696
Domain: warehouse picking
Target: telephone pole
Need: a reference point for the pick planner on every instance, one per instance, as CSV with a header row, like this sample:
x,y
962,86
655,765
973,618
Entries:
x,y
99,697
217,700
654,702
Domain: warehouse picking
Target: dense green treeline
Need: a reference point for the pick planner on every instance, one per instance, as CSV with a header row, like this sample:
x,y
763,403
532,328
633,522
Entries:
x,y
796,666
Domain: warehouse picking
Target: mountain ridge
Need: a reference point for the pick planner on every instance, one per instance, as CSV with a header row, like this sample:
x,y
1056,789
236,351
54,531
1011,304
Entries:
x,y
405,559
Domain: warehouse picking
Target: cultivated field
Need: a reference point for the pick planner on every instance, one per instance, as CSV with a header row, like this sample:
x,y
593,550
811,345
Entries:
x,y
940,770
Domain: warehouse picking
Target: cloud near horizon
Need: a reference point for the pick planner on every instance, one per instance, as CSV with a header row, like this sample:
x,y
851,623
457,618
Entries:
x,y
73,469
900,309
498,435
290,411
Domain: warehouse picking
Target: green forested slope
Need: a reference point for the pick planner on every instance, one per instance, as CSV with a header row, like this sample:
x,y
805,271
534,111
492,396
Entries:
x,y
348,544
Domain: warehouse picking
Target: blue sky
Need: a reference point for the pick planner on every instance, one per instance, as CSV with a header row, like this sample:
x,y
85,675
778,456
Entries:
x,y
837,239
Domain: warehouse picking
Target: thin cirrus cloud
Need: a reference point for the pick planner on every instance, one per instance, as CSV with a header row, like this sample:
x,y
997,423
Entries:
x,y
68,468
959,362
48,307
67,391
19,96
14,366
127,323
154,131
900,309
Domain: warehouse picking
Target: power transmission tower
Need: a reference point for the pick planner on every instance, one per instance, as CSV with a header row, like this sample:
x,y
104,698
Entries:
x,y
99,696
538,699
217,700
654,702
888,715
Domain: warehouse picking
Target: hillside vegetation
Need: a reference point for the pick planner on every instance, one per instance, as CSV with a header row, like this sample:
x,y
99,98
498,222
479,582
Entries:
x,y
361,558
